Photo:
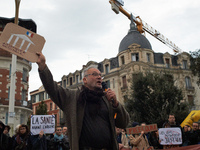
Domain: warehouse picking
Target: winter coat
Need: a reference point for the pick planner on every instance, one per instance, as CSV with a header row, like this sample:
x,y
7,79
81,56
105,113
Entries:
x,y
67,100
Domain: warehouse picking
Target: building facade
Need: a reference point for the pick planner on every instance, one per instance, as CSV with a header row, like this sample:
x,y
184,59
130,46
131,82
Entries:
x,y
22,108
135,55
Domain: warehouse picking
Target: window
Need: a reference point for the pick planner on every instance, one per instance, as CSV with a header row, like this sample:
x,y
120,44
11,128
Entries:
x,y
107,69
47,95
70,81
124,83
108,83
56,107
33,98
24,95
188,82
148,57
41,96
80,75
50,106
122,60
113,83
67,81
25,75
191,100
135,57
73,78
77,78
167,62
37,97
184,64
64,83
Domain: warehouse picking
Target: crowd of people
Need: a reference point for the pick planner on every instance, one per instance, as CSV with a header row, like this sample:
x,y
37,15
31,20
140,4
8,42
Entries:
x,y
94,116
24,140
151,141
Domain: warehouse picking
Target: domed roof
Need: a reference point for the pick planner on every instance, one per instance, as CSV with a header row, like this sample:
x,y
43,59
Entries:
x,y
134,36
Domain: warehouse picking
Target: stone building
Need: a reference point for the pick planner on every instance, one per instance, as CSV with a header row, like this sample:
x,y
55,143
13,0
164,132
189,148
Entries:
x,y
22,108
136,55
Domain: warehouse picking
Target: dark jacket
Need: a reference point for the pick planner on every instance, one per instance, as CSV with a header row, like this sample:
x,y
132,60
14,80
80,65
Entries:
x,y
55,144
67,100
38,143
25,143
5,141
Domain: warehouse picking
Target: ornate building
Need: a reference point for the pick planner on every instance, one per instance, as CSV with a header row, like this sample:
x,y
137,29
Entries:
x,y
23,67
136,55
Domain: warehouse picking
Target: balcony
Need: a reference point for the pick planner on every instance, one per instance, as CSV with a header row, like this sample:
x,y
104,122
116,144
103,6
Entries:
x,y
190,88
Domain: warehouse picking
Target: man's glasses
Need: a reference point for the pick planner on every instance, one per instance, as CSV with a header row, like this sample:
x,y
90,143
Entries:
x,y
59,130
95,74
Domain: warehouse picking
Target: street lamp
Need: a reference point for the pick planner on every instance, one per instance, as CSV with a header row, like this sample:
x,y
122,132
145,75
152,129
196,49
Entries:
x,y
11,112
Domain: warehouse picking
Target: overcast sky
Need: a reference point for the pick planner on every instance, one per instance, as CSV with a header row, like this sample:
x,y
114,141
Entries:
x,y
77,31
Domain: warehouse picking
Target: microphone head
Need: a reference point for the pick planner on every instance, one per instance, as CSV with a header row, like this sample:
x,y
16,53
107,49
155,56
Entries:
x,y
104,86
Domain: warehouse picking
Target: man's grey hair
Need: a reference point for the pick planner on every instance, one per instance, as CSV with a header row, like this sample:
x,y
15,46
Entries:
x,y
86,69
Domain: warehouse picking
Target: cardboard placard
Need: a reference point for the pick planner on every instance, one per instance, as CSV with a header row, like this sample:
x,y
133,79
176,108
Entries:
x,y
139,129
170,136
21,42
44,123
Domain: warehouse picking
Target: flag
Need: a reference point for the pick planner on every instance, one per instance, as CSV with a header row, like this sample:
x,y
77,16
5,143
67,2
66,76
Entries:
x,y
29,34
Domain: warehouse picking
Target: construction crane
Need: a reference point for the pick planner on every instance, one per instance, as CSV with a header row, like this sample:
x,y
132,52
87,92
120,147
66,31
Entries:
x,y
142,26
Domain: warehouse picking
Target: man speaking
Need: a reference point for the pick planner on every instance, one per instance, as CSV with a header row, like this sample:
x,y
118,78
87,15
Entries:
x,y
89,110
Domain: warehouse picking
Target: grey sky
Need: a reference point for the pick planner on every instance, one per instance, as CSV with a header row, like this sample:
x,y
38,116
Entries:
x,y
79,31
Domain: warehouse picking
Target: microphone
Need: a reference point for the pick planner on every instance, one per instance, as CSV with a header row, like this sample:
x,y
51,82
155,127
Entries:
x,y
104,86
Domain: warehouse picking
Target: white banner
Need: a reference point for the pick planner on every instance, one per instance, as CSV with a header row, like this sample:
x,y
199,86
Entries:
x,y
45,123
170,136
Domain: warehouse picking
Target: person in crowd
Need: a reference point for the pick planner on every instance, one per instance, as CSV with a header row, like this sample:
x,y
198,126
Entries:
x,y
139,141
64,130
194,135
90,111
6,130
4,140
147,134
22,139
185,135
58,142
122,138
38,142
125,140
16,131
172,121
65,133
119,134
154,140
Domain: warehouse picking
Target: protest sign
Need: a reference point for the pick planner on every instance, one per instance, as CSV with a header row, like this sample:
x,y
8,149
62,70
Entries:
x,y
21,42
42,122
170,136
138,129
